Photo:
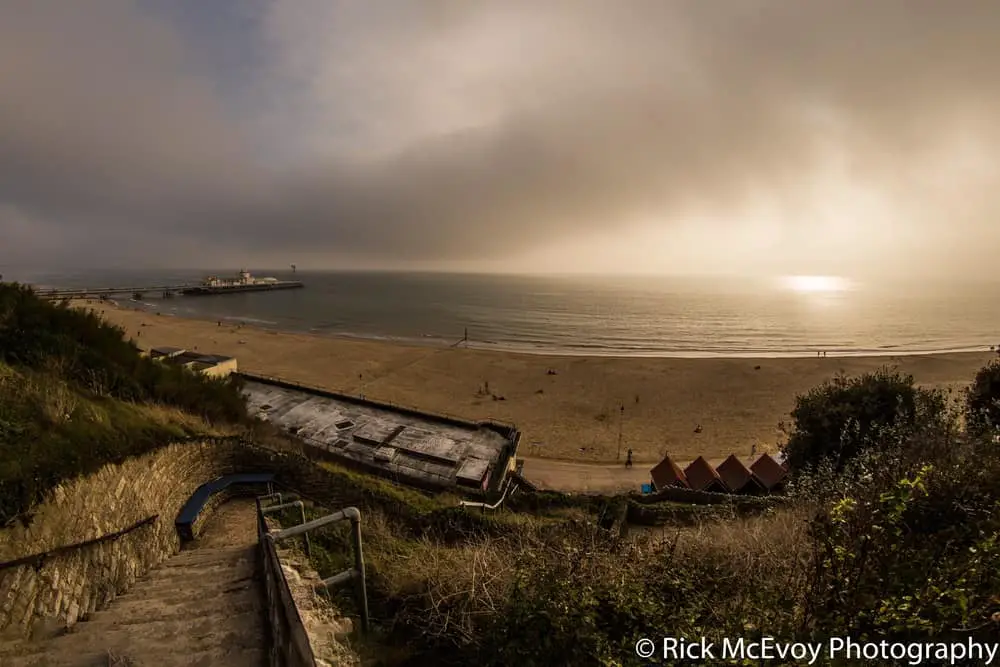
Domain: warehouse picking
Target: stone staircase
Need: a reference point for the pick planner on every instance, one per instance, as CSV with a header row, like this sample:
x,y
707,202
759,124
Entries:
x,y
202,607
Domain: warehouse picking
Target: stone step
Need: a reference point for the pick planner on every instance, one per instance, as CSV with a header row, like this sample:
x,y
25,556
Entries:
x,y
216,611
138,641
202,607
215,657
175,565
194,586
217,581
197,569
194,555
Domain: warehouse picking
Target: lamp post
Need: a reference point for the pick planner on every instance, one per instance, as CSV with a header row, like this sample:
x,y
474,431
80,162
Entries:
x,y
621,418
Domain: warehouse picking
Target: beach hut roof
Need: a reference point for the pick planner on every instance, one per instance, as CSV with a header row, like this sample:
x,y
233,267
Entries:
x,y
734,473
768,471
703,477
667,473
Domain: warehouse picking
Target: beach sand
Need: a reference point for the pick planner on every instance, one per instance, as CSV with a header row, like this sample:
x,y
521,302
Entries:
x,y
573,414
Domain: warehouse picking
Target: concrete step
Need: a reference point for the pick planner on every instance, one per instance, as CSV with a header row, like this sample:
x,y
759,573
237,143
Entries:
x,y
217,612
215,657
184,579
137,642
202,607
172,567
195,555
204,571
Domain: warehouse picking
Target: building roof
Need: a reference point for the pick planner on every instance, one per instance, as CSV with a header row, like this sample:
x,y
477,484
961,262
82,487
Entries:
x,y
768,471
167,351
411,447
667,473
737,476
703,477
188,356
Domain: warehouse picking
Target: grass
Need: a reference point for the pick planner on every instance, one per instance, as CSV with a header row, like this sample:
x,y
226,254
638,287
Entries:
x,y
75,395
390,492
446,600
50,431
547,585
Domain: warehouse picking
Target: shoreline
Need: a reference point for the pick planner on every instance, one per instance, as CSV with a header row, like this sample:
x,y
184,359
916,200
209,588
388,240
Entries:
x,y
434,342
568,407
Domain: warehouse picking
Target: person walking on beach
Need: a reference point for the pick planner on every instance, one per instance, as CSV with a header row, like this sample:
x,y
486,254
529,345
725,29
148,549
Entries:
x,y
628,458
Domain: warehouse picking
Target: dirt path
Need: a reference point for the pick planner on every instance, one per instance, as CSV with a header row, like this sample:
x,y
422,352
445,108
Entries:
x,y
575,477
233,523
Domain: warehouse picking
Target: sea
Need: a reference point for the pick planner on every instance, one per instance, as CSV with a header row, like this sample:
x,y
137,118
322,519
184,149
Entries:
x,y
590,315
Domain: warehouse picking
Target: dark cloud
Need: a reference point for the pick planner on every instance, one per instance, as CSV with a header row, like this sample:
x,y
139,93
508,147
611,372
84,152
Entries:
x,y
492,127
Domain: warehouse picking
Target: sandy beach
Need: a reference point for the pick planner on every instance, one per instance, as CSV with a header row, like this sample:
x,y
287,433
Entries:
x,y
567,407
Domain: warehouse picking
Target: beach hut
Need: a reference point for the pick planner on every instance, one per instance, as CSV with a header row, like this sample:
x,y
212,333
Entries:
x,y
738,477
667,473
770,473
701,476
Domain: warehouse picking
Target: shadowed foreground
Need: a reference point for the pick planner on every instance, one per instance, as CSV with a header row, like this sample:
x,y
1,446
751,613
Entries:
x,y
203,606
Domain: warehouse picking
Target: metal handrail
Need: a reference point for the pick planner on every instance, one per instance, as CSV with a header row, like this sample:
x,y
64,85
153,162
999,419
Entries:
x,y
39,558
302,509
485,506
353,515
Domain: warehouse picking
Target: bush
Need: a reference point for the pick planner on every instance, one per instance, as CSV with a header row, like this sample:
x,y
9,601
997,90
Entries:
x,y
915,558
843,417
83,349
75,395
982,400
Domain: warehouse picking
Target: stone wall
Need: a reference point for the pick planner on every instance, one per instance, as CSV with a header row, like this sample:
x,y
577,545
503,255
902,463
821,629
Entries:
x,y
307,630
66,586
42,597
327,630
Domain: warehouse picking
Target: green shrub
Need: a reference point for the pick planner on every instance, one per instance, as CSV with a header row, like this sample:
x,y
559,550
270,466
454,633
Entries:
x,y
843,417
982,400
75,395
909,561
82,348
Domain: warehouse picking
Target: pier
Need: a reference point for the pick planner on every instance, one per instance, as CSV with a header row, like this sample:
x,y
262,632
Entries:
x,y
99,292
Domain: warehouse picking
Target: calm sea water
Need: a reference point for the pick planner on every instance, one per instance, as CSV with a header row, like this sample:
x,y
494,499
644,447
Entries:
x,y
643,316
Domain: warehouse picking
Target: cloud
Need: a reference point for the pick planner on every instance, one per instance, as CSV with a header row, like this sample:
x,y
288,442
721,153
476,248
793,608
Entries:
x,y
446,130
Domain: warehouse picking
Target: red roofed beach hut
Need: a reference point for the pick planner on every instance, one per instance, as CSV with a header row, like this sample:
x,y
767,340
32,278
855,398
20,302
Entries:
x,y
770,473
738,477
667,473
701,476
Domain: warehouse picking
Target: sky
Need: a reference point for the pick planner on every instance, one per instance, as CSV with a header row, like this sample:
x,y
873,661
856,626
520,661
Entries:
x,y
854,137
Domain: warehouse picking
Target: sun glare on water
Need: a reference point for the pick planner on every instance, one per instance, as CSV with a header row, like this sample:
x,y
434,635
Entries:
x,y
816,283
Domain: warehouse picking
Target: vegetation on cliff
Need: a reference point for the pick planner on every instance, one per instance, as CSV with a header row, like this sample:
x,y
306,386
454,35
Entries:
x,y
75,395
900,540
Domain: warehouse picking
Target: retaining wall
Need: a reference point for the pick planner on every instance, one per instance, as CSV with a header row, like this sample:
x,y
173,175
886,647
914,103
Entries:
x,y
306,629
62,587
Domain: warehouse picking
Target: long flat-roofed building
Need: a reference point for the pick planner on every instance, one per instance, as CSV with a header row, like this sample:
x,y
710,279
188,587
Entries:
x,y
421,449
